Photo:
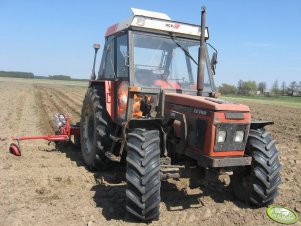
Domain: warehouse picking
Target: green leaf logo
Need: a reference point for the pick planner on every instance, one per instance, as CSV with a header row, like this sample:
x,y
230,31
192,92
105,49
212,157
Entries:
x,y
282,215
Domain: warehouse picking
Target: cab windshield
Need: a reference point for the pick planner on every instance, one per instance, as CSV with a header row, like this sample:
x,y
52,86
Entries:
x,y
166,62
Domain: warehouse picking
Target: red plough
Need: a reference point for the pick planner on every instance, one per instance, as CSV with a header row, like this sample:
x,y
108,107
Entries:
x,y
64,131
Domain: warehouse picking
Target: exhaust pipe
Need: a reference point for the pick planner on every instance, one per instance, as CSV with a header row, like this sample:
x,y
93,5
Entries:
x,y
201,67
96,48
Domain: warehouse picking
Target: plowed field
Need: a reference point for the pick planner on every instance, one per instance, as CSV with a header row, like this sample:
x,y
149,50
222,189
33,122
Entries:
x,y
51,186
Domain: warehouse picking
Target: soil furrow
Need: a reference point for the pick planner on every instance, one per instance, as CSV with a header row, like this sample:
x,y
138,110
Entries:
x,y
64,104
49,185
67,98
44,103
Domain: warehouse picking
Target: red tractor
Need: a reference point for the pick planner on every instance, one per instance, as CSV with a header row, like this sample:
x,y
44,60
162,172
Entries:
x,y
154,105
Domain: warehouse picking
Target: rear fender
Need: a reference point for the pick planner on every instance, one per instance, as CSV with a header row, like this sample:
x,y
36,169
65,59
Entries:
x,y
93,83
108,88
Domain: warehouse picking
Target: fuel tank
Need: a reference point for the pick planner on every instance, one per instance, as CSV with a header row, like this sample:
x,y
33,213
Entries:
x,y
205,118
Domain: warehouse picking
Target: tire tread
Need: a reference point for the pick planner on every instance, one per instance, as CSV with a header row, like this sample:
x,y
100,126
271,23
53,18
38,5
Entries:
x,y
143,174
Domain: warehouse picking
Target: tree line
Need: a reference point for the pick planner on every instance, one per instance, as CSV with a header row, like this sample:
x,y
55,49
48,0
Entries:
x,y
248,88
18,74
59,77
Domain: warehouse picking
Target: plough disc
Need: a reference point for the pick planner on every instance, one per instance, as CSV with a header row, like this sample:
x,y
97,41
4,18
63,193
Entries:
x,y
14,149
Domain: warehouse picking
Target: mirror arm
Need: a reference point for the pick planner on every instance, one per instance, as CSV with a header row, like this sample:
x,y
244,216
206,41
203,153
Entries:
x,y
96,48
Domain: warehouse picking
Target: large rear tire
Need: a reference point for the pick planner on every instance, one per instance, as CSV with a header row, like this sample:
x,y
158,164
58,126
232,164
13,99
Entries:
x,y
143,174
258,184
76,138
95,129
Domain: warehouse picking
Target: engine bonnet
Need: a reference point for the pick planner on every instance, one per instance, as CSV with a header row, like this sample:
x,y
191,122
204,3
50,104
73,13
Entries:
x,y
205,102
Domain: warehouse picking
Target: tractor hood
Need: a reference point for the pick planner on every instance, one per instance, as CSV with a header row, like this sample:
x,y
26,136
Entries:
x,y
208,103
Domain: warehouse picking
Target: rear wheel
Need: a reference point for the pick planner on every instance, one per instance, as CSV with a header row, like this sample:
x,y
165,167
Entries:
x,y
258,184
143,174
95,129
76,138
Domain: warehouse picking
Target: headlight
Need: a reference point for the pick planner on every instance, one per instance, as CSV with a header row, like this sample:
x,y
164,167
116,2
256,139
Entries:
x,y
239,136
221,136
122,95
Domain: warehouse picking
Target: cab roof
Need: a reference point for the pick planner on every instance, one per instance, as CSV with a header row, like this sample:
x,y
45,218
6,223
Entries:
x,y
155,22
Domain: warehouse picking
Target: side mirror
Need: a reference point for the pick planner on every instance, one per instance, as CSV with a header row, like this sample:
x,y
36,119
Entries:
x,y
213,62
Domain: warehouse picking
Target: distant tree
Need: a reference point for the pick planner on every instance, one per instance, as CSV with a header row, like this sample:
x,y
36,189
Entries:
x,y
240,86
249,87
262,86
283,88
40,77
275,88
292,88
227,89
59,77
16,74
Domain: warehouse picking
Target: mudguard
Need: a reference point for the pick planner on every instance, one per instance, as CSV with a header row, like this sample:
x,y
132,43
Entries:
x,y
260,124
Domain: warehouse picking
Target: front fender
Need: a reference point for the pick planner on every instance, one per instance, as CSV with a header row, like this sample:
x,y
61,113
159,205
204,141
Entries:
x,y
260,124
150,123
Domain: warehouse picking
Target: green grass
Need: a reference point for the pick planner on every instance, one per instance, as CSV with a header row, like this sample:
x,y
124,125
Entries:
x,y
281,101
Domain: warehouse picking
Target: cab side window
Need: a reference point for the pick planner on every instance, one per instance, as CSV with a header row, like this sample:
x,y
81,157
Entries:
x,y
106,70
122,56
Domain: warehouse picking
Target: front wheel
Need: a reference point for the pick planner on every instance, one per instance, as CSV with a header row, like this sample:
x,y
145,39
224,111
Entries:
x,y
258,184
143,174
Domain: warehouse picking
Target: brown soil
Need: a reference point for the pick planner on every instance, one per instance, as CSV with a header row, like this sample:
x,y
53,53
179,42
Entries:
x,y
49,185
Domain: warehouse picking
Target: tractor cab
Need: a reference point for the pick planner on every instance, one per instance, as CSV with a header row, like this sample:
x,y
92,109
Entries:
x,y
150,52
